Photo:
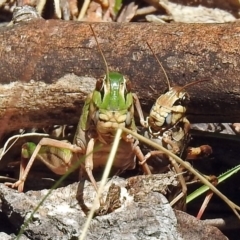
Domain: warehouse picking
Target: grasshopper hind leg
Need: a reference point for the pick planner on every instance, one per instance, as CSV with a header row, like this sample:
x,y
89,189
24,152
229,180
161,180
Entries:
x,y
24,164
20,183
30,152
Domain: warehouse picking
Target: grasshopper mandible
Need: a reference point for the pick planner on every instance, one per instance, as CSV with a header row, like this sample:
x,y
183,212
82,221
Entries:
x,y
109,106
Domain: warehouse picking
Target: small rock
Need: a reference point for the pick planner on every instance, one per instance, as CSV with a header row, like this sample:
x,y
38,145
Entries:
x,y
60,217
4,236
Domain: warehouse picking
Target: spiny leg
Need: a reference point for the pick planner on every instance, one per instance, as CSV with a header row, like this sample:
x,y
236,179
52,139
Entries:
x,y
44,142
150,154
141,158
139,110
174,146
23,164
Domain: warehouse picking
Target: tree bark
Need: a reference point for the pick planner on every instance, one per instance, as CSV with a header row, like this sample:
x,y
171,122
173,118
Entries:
x,y
48,67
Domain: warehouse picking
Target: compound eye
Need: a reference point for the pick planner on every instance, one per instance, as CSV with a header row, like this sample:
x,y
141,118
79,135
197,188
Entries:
x,y
128,85
182,101
99,84
185,100
178,102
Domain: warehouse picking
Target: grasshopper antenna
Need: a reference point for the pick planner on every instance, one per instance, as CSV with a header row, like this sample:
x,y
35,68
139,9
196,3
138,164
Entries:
x,y
168,82
100,50
191,83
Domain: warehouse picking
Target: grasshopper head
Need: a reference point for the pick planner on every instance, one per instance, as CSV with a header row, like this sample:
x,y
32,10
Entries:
x,y
114,91
168,109
112,105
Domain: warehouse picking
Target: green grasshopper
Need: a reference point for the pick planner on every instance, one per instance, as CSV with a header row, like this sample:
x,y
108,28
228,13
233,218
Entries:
x,y
108,107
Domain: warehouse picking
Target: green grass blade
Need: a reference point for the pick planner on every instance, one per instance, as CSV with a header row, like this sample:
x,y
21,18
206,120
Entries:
x,y
204,188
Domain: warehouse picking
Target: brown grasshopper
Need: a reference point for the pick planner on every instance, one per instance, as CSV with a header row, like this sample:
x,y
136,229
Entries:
x,y
167,119
169,127
108,107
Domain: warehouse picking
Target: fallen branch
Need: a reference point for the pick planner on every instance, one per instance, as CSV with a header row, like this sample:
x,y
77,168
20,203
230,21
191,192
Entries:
x,y
48,67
